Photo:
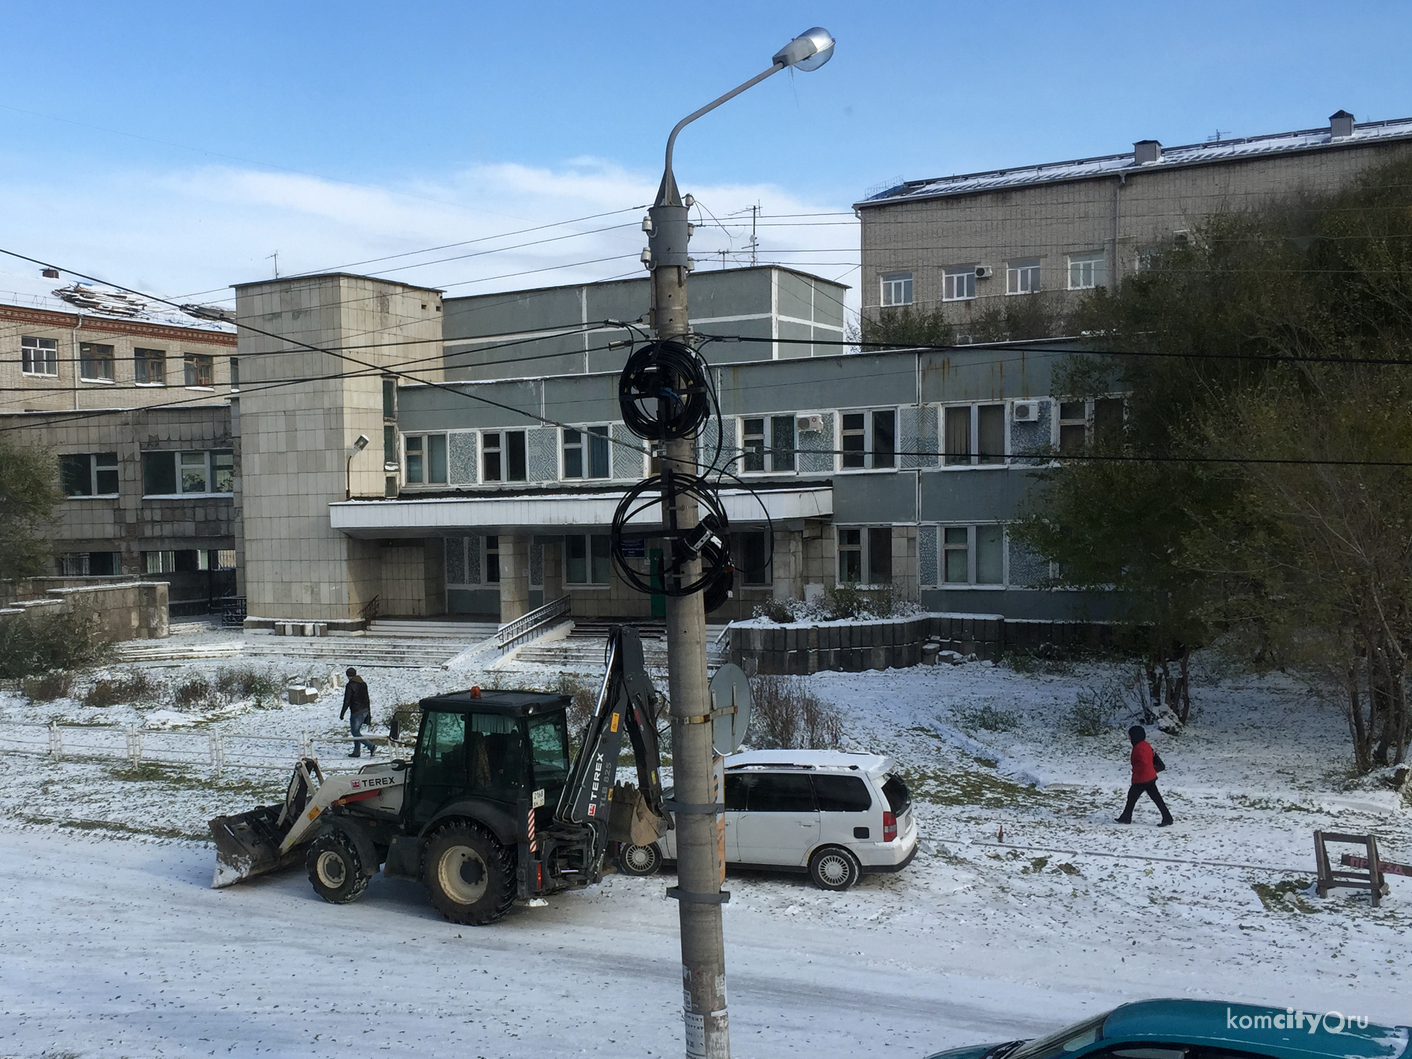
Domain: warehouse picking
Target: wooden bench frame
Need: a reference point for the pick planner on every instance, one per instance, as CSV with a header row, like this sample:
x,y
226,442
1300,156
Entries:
x,y
1370,878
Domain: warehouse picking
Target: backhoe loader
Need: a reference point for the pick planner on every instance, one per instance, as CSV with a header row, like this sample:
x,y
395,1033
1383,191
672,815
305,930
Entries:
x,y
488,810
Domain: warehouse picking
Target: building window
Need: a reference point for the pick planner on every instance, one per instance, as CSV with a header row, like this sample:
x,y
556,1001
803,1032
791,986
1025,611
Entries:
x,y
235,373
95,362
89,474
224,559
959,284
1087,271
389,398
869,439
187,473
973,555
596,463
1022,277
502,455
149,366
865,555
975,435
39,356
90,564
159,562
773,451
200,370
751,560
492,560
897,288
426,459
586,560
1084,422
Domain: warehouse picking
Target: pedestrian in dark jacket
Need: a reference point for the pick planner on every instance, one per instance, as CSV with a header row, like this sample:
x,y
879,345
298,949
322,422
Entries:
x,y
1144,778
359,710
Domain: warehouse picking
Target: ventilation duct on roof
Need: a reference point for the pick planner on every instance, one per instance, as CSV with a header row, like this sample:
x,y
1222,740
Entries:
x,y
1340,125
1147,151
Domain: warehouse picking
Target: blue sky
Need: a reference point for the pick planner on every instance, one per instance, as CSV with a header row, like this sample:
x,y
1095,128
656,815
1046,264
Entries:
x,y
176,146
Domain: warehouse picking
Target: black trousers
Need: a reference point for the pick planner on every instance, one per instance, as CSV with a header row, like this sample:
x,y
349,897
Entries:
x,y
1136,791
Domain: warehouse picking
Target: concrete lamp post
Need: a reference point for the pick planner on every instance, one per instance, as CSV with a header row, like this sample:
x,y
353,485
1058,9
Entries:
x,y
698,891
358,446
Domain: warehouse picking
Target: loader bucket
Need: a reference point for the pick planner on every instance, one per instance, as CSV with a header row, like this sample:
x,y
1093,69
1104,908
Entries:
x,y
247,844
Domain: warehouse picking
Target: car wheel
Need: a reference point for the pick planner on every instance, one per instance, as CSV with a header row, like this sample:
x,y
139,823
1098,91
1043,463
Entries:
x,y
639,860
834,868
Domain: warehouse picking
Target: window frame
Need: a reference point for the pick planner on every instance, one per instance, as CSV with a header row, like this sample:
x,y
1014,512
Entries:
x,y
592,440
234,368
861,542
1096,263
30,356
502,451
868,453
425,448
773,459
209,465
1023,276
92,470
191,367
1089,423
88,356
490,554
971,550
763,571
143,359
588,559
973,458
954,274
895,289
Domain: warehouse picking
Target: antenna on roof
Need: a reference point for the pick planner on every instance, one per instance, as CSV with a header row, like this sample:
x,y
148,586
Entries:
x,y
1216,136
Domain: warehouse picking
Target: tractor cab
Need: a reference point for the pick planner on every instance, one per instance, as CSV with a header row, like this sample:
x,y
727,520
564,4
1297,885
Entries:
x,y
492,748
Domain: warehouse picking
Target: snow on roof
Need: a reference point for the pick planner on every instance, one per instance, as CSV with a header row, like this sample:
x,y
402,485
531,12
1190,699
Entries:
x,y
837,759
1168,157
66,295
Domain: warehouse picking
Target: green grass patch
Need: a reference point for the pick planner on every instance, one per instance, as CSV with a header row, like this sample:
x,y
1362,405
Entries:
x,y
988,718
114,826
1285,896
968,786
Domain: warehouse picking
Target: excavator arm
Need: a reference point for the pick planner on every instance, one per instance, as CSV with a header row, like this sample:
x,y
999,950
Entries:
x,y
626,701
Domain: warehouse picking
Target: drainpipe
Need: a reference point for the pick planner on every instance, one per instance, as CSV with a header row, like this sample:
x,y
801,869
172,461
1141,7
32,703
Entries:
x,y
73,353
1117,198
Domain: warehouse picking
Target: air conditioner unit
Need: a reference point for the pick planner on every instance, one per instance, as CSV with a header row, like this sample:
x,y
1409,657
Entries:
x,y
1025,412
984,272
808,424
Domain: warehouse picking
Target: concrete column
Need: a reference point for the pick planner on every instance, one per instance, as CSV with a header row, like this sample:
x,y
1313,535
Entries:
x,y
553,571
514,576
787,568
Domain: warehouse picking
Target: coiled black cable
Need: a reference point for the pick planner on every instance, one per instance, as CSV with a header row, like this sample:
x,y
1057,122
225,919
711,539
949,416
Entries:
x,y
664,392
709,539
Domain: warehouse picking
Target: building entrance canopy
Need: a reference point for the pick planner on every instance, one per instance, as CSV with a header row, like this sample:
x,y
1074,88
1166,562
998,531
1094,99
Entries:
x,y
550,512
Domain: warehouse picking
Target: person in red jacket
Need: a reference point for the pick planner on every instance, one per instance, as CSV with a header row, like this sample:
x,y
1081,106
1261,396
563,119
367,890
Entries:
x,y
1144,778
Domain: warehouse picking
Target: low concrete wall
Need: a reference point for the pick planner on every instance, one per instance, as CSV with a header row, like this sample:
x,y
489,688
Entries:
x,y
896,643
126,610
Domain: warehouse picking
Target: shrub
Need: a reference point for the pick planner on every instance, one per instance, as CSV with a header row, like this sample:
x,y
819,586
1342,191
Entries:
x,y
193,693
584,699
47,639
136,687
989,719
846,601
787,714
1093,709
56,684
238,684
781,611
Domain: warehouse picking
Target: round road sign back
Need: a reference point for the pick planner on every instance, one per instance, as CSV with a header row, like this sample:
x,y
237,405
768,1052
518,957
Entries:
x,y
729,687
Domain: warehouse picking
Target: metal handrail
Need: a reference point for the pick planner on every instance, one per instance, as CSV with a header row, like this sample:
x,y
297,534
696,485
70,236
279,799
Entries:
x,y
514,631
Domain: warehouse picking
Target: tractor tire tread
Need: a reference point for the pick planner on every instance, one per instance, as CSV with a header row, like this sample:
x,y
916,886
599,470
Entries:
x,y
501,859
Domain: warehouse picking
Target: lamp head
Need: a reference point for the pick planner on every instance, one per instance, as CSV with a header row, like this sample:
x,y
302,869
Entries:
x,y
361,443
808,51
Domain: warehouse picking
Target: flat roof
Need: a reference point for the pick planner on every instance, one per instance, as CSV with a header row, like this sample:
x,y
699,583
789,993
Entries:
x,y
334,275
490,700
1236,149
645,278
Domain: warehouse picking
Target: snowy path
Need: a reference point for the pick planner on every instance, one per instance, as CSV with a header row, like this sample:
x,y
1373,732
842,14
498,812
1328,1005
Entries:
x,y
125,950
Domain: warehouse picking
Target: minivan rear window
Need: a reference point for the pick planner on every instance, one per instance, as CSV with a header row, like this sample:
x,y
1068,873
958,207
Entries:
x,y
842,794
899,798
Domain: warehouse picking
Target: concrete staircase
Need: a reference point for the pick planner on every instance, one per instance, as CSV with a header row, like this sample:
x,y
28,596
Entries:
x,y
582,650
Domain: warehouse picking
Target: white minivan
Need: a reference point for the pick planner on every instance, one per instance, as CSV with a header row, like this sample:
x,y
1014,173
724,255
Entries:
x,y
831,813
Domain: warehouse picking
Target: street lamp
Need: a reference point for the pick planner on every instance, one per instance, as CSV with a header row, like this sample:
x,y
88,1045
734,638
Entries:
x,y
358,446
695,798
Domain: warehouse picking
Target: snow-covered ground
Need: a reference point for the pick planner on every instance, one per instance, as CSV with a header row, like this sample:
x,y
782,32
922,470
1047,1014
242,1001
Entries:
x,y
112,943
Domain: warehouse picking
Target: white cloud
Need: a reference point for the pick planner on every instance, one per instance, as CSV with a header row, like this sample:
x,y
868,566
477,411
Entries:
x,y
198,229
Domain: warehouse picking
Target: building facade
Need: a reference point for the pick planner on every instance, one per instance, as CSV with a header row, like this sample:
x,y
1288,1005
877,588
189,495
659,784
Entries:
x,y
973,244
134,402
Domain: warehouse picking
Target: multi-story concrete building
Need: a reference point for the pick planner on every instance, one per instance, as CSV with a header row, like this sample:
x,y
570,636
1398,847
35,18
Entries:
x,y
493,494
134,401
966,243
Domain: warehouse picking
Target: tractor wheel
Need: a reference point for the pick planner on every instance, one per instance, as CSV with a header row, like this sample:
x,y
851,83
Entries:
x,y
834,868
470,876
639,860
335,868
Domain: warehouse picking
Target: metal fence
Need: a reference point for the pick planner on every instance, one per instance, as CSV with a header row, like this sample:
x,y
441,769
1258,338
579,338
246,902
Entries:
x,y
215,751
